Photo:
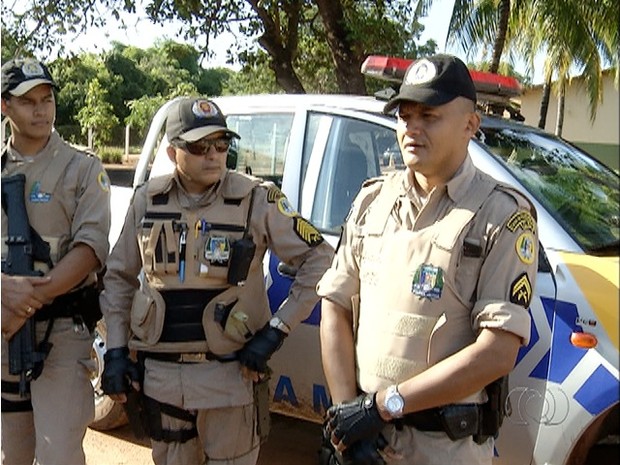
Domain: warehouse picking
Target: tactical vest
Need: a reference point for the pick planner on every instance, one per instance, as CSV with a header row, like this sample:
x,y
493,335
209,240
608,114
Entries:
x,y
41,181
186,302
411,315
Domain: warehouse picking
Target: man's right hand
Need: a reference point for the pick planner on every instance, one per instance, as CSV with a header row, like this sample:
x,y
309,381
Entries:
x,y
20,295
365,452
120,374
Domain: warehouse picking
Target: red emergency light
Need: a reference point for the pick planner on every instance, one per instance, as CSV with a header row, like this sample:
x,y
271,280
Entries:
x,y
393,69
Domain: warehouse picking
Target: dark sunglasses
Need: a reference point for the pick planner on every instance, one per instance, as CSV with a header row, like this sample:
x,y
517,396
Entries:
x,y
202,146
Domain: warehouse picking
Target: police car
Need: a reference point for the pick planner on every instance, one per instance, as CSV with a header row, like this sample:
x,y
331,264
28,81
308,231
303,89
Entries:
x,y
564,390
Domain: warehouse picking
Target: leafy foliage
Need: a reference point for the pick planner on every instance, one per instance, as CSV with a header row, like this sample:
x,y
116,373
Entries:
x,y
97,113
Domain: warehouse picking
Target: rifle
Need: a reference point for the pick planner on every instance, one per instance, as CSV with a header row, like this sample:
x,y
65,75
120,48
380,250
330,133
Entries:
x,y
24,359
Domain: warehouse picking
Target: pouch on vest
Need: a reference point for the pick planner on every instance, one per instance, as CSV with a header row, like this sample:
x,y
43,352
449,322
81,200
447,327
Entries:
x,y
147,315
227,323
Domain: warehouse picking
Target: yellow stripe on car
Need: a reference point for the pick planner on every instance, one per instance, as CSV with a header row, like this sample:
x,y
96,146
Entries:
x,y
598,279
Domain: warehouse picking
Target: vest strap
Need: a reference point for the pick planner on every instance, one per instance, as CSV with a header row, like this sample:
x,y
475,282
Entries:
x,y
460,216
13,406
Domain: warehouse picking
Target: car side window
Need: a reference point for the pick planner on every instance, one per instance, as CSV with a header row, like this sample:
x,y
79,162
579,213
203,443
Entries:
x,y
352,153
262,148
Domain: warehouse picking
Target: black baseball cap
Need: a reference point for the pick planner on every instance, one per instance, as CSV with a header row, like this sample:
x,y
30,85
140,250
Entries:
x,y
20,75
434,81
191,119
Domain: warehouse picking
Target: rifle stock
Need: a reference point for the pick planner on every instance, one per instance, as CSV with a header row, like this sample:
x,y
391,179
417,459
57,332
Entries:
x,y
24,359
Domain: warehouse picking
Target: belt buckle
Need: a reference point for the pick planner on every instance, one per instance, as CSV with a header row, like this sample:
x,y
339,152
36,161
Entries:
x,y
195,357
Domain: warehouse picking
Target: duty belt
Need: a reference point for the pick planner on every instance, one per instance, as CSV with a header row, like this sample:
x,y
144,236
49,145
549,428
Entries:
x,y
191,357
456,420
83,302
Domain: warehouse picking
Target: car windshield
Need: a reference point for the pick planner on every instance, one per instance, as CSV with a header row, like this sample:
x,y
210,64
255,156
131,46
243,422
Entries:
x,y
578,191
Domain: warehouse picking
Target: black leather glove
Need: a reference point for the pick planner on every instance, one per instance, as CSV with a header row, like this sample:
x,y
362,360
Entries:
x,y
257,351
119,371
365,452
356,420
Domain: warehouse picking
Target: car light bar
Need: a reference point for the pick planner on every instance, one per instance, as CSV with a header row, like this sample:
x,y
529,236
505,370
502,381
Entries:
x,y
393,69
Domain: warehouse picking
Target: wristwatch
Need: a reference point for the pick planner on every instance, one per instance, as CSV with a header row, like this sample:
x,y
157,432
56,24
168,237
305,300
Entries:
x,y
276,322
394,402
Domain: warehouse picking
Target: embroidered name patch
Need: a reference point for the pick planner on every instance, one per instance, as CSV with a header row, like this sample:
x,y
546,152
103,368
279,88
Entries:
x,y
217,249
521,220
307,232
526,248
521,291
428,282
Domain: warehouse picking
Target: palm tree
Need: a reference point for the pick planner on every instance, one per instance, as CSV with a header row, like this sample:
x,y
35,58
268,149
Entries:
x,y
575,35
476,24
572,33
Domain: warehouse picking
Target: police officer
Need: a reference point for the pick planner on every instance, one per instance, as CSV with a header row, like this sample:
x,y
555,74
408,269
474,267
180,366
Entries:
x,y
68,206
200,320
425,304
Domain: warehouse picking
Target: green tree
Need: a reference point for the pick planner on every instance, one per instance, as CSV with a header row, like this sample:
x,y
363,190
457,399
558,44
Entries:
x,y
72,76
97,114
478,24
275,25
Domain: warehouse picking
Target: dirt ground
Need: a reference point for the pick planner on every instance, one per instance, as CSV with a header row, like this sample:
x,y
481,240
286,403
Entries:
x,y
291,442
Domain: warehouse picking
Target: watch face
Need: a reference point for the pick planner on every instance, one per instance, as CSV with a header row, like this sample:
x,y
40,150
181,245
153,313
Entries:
x,y
395,403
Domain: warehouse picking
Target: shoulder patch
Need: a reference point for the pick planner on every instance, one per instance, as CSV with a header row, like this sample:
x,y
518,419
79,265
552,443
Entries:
x,y
285,207
521,291
104,181
521,220
526,247
307,232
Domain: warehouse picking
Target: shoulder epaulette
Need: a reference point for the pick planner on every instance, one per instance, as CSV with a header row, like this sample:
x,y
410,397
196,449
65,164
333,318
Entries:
x,y
159,184
519,197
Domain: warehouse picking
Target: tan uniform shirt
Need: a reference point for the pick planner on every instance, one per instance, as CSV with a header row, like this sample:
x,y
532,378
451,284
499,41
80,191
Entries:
x,y
67,196
68,203
490,285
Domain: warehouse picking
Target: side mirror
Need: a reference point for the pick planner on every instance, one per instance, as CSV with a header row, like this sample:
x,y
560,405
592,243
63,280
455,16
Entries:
x,y
233,154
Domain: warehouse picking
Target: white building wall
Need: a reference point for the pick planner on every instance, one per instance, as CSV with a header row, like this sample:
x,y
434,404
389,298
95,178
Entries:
x,y
578,127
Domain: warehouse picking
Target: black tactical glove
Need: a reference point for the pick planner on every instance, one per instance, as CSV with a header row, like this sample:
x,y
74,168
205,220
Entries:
x,y
365,452
119,371
356,420
257,351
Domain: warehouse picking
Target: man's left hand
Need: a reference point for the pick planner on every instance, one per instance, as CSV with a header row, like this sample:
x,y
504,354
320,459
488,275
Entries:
x,y
257,351
354,421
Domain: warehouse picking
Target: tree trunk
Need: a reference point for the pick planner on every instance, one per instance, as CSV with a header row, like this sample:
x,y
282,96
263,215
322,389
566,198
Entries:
x,y
560,118
281,49
347,59
544,103
500,40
